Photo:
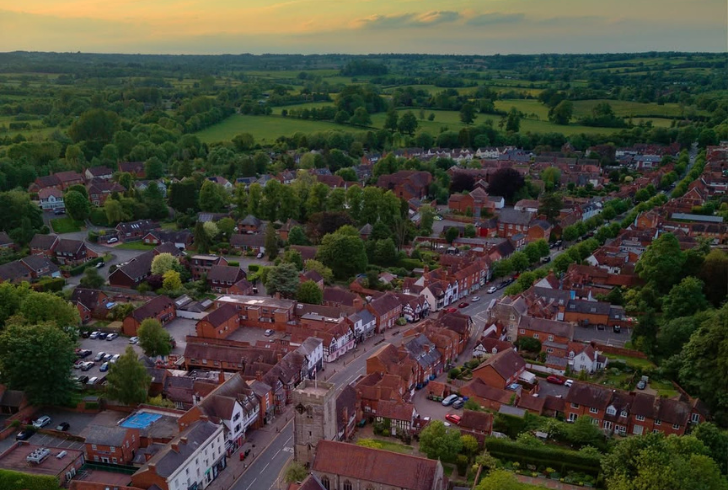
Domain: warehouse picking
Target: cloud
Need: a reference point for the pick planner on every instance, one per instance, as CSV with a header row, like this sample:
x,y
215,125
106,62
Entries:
x,y
495,18
399,21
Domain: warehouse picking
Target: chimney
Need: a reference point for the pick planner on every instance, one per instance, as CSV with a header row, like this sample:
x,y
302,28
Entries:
x,y
279,356
183,440
259,375
221,377
152,467
175,447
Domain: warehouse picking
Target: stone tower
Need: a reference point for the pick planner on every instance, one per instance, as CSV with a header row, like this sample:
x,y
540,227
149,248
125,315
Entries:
x,y
314,406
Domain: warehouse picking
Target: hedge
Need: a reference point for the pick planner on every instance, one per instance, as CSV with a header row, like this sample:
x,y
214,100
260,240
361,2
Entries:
x,y
48,285
254,267
234,263
560,459
410,264
79,269
14,480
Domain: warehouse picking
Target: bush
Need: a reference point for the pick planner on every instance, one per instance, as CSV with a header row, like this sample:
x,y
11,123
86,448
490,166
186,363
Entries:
x,y
14,480
253,268
81,268
454,373
233,263
562,460
462,464
410,264
51,285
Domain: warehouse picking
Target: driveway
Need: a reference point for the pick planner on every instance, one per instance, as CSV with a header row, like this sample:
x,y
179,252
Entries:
x,y
179,329
606,336
77,421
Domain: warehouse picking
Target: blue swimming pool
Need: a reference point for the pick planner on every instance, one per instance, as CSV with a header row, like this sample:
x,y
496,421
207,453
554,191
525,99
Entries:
x,y
141,420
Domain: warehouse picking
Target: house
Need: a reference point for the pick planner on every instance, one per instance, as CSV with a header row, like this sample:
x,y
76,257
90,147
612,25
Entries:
x,y
112,444
313,276
87,300
219,323
339,465
69,178
406,184
346,413
6,243
136,169
98,173
51,199
142,185
181,239
220,278
471,203
135,230
594,313
100,191
248,243
554,335
161,308
584,357
529,205
341,298
364,325
261,312
488,397
387,309
28,269
399,415
201,264
512,222
539,230
476,424
501,370
193,459
134,272
44,182
44,245
250,224
73,252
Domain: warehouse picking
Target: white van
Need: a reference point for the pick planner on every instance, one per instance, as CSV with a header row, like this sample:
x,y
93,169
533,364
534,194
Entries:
x,y
92,381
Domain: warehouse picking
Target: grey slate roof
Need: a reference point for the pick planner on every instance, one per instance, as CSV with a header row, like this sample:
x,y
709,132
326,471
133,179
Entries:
x,y
167,460
508,215
105,435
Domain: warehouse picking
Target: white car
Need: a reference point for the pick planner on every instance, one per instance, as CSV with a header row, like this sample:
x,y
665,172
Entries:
x,y
112,240
94,334
112,336
269,332
475,299
134,340
492,289
568,382
41,422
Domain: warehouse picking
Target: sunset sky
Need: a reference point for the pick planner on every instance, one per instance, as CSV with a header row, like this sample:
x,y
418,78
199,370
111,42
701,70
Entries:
x,y
363,26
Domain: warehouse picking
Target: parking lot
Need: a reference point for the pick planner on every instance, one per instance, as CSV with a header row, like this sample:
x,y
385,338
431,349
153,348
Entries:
x,y
116,346
607,336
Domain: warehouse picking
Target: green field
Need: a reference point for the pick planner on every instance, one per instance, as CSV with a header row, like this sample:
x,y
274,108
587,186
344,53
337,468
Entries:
x,y
65,225
265,129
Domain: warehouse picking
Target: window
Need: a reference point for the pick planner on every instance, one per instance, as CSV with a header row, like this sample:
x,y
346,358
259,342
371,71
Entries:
x,y
607,425
658,422
676,426
551,338
574,405
695,418
325,482
347,485
535,336
623,413
640,418
521,331
573,417
593,410
611,411
655,431
93,446
549,350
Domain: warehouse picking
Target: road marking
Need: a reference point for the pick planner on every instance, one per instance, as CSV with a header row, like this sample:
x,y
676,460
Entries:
x,y
251,483
264,467
276,454
287,449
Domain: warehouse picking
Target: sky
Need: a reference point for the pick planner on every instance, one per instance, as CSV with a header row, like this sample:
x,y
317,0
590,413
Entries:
x,y
363,26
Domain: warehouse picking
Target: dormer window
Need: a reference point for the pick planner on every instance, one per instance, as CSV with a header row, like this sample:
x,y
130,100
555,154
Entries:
x,y
611,410
623,413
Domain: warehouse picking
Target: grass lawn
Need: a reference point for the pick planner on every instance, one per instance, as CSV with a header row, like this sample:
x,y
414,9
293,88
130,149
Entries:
x,y
634,362
387,445
65,225
265,129
169,226
135,246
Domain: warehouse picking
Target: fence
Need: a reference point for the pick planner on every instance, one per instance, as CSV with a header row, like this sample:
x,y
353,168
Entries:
x,y
620,351
190,315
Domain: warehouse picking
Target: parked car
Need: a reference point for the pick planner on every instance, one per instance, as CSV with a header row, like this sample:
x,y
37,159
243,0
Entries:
x,y
87,365
115,358
454,418
464,304
568,382
546,260
41,422
492,289
63,426
104,367
260,255
85,334
108,357
134,340
99,356
102,336
112,240
83,353
269,332
94,334
92,381
100,264
458,404
112,336
641,385
616,329
475,299
555,380
24,435
450,310
78,364
449,400
83,379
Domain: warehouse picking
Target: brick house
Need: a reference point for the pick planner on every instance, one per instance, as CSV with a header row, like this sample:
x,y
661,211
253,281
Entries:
x,y
44,245
201,264
44,182
98,173
488,397
476,424
220,278
160,308
28,269
406,184
248,243
594,313
69,178
136,169
51,199
134,272
261,312
219,323
387,309
181,239
471,203
553,334
512,222
539,230
73,252
135,230
111,444
87,300
100,191
250,224
501,369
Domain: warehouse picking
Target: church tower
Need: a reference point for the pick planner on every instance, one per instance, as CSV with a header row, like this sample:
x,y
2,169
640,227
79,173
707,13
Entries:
x,y
314,406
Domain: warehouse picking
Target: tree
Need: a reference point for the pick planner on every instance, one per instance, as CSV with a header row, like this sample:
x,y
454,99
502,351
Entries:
x,y
344,254
95,128
551,178
583,432
211,230
656,462
153,338
661,264
282,279
77,206
408,123
550,206
164,262
154,168
499,480
685,299
128,381
385,252
467,113
439,442
315,265
470,231
37,359
172,281
244,142
92,279
183,195
309,292
361,117
391,122
296,236
513,121
427,219
295,473
80,189
716,441
561,114
519,261
213,197
470,445
451,234
201,240
227,227
49,308
154,199
271,242
505,182
714,273
293,257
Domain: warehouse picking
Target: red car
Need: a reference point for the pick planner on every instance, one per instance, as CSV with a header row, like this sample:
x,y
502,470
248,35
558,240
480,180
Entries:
x,y
463,305
555,380
451,310
454,418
